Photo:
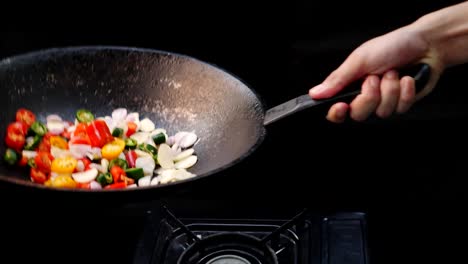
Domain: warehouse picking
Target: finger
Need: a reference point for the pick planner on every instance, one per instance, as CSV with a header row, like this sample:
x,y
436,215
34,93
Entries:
x,y
337,113
407,94
390,93
366,103
350,70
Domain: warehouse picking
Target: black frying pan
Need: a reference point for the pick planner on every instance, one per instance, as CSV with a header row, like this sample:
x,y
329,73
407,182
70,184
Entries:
x,y
179,93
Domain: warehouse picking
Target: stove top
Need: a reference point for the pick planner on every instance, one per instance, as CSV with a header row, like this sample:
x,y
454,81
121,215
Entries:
x,y
303,239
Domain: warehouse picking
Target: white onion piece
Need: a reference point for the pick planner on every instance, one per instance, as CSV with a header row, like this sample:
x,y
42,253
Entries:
x,y
176,150
188,140
59,153
132,186
80,166
154,181
96,166
110,123
29,140
145,181
50,118
55,127
85,176
186,163
170,140
147,164
119,114
141,153
179,136
76,122
105,165
184,154
150,141
133,117
140,137
71,129
94,185
160,170
122,156
79,151
167,176
165,156
182,174
123,125
94,154
29,154
146,125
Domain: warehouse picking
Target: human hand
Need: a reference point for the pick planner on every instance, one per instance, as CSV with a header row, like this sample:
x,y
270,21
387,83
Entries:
x,y
383,92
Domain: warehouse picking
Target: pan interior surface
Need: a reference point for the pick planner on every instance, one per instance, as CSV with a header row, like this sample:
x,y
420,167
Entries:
x,y
177,92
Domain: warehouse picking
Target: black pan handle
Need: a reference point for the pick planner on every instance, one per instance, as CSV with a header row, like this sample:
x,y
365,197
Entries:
x,y
420,72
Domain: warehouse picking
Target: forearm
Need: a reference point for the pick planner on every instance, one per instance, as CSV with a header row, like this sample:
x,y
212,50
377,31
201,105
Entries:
x,y
446,32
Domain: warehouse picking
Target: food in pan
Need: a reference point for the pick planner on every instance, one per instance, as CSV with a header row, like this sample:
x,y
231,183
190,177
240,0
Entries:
x,y
111,152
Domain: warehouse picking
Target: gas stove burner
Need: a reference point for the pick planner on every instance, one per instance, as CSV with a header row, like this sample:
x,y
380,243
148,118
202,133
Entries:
x,y
226,259
229,248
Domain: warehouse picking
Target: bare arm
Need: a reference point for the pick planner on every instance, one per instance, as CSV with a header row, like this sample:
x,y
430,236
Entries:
x,y
439,38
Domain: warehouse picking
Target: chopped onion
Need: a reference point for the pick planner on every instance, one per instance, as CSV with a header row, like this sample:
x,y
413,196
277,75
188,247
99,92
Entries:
x,y
141,153
97,167
51,118
55,127
165,156
119,114
146,125
105,165
145,181
135,118
80,166
140,137
58,152
110,123
184,154
155,181
29,154
94,185
186,163
147,164
85,176
79,151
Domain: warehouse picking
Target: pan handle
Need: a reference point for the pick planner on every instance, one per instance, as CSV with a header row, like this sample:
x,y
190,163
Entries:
x,y
420,73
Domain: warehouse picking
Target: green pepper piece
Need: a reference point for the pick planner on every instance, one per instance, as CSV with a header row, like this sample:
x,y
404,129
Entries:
x,y
34,143
104,179
11,157
118,162
130,143
159,138
118,132
148,148
135,173
38,128
32,163
84,116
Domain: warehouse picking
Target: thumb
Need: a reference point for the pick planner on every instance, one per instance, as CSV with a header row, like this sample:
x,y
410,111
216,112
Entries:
x,y
350,70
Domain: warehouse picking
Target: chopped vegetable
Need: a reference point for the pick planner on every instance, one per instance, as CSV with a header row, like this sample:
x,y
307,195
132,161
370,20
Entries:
x,y
148,149
84,116
25,116
64,165
38,128
11,157
113,149
118,162
159,139
99,133
135,173
32,142
111,152
15,137
85,176
105,179
118,132
130,143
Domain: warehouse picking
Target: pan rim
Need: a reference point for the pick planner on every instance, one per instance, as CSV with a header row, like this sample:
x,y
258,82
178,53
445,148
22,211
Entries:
x,y
178,184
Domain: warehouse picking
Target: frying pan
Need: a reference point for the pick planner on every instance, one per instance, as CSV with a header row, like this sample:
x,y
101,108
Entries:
x,y
177,92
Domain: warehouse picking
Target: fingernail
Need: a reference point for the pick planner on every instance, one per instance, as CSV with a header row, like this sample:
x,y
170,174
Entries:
x,y
373,81
317,89
391,75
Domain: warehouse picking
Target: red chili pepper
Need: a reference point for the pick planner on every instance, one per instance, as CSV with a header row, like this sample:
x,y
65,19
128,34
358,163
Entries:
x,y
132,127
117,173
99,133
131,158
119,185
